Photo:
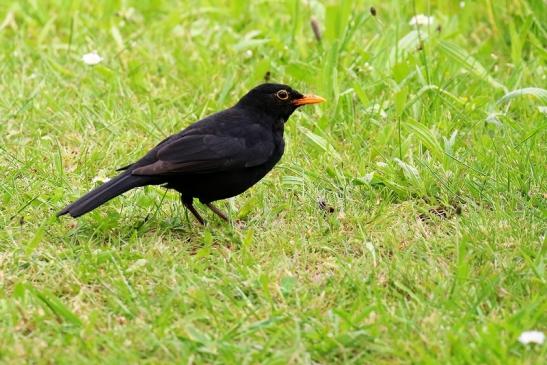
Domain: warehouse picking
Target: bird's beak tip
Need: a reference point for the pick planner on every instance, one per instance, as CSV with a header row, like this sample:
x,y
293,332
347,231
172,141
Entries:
x,y
309,99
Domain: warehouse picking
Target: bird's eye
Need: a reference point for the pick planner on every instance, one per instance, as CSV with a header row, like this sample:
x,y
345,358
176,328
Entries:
x,y
282,94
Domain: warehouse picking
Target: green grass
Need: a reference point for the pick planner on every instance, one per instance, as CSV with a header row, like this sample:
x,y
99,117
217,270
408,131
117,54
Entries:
x,y
405,224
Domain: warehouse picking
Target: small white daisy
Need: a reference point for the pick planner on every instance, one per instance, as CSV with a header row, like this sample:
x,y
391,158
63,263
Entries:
x,y
368,177
100,179
91,58
421,19
527,337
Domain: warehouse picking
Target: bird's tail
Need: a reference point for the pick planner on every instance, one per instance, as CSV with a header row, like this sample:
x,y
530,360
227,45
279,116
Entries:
x,y
100,195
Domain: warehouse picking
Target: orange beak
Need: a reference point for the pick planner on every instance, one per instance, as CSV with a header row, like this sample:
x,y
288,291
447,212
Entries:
x,y
308,99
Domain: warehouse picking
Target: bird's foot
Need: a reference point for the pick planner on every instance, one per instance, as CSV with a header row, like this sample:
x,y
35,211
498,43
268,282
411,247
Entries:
x,y
190,206
217,211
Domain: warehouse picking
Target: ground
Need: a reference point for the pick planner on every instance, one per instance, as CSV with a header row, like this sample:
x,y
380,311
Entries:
x,y
405,223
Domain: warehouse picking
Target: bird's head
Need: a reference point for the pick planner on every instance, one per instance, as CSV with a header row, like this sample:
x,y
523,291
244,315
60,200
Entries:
x,y
277,100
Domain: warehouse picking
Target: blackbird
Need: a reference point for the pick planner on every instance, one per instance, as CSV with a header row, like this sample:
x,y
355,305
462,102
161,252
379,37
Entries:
x,y
215,158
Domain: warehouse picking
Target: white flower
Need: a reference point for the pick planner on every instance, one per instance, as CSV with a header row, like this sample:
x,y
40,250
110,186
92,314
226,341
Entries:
x,y
91,58
100,179
527,337
462,4
368,177
421,19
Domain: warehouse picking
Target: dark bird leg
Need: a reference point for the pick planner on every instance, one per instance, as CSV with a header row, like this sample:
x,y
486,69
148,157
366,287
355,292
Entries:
x,y
189,205
217,211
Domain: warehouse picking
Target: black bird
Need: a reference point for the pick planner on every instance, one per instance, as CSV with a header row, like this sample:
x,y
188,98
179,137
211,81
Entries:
x,y
215,158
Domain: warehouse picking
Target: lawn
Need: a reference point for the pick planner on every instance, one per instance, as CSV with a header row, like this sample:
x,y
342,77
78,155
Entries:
x,y
405,223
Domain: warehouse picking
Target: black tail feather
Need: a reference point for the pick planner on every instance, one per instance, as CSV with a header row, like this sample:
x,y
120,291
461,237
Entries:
x,y
100,195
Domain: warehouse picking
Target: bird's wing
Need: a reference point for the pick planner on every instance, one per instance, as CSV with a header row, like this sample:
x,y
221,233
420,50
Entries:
x,y
204,153
127,167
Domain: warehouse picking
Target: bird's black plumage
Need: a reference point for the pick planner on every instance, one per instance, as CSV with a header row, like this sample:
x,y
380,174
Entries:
x,y
215,158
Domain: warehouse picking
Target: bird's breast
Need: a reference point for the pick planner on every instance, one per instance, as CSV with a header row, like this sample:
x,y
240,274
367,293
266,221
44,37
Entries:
x,y
279,142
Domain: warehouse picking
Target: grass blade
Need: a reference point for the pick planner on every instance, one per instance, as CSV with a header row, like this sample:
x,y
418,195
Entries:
x,y
468,62
320,142
426,137
57,307
406,45
537,92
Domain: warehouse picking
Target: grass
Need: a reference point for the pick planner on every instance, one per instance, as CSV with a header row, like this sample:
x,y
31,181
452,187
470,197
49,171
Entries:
x,y
405,223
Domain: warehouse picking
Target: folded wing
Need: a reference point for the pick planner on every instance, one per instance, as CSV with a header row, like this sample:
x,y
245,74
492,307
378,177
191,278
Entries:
x,y
205,153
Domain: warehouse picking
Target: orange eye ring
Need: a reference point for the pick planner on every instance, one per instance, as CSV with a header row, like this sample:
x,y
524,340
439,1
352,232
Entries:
x,y
282,95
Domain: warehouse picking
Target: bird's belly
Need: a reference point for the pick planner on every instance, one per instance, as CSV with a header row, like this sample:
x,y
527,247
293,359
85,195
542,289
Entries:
x,y
224,184
219,185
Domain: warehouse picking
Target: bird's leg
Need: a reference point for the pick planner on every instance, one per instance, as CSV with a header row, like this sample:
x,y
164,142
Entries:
x,y
190,206
217,211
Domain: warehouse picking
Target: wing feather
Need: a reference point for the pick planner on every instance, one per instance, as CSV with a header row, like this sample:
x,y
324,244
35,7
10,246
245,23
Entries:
x,y
205,153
